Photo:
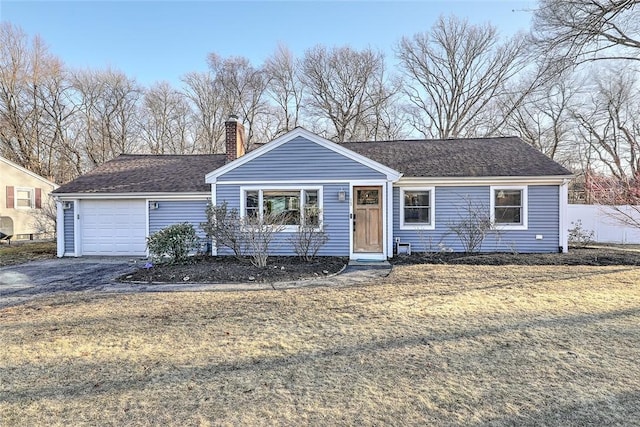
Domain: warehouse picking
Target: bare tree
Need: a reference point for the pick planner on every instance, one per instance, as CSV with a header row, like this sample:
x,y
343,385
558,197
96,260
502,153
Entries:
x,y
224,228
285,89
544,119
208,109
455,72
164,120
63,158
577,31
35,107
108,106
346,88
473,225
243,87
389,120
44,220
310,237
610,123
602,32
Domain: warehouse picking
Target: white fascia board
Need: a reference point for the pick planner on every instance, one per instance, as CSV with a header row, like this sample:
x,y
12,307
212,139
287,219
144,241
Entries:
x,y
154,196
28,172
59,230
477,181
391,174
298,182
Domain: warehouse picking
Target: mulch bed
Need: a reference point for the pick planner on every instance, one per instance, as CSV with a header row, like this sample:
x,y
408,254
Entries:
x,y
207,269
576,256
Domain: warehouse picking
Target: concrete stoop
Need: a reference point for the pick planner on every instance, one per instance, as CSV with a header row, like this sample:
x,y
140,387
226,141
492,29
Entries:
x,y
363,271
368,263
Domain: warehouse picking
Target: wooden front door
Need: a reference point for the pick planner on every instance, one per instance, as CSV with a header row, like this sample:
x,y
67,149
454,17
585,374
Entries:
x,y
367,220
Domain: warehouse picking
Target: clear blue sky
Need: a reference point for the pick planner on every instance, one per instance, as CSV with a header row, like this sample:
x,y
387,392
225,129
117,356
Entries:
x,y
163,40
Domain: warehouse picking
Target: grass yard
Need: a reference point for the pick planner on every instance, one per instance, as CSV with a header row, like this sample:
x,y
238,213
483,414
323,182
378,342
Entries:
x,y
22,251
434,345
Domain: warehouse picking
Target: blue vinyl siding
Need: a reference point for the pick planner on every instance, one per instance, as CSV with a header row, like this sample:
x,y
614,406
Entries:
x,y
171,212
300,160
335,219
69,235
450,206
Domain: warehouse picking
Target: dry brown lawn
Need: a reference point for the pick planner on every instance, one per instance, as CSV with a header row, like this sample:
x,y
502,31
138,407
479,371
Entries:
x,y
433,345
23,251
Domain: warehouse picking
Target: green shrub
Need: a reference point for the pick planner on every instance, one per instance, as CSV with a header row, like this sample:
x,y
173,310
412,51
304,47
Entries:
x,y
174,242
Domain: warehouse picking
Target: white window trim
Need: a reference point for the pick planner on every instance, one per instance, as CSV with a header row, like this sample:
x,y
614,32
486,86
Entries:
x,y
432,208
31,191
262,188
525,207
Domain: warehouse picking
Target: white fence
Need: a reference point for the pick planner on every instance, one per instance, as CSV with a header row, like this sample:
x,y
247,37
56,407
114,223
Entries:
x,y
601,220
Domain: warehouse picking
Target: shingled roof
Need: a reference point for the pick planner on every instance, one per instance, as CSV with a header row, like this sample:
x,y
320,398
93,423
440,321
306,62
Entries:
x,y
474,157
130,173
445,158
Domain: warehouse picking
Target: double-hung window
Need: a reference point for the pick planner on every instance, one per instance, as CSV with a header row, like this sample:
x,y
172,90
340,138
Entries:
x,y
417,208
24,198
288,206
509,207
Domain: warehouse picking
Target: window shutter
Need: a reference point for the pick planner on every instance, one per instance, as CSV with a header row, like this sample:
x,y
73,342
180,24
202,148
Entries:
x,y
38,198
10,204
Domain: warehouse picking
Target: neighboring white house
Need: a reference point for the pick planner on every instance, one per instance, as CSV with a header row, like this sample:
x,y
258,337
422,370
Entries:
x,y
22,194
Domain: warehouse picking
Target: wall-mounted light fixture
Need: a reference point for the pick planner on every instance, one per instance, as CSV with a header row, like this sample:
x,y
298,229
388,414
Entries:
x,y
154,205
342,195
67,205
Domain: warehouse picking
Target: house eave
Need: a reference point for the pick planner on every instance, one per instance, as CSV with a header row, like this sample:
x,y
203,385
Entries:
x,y
28,172
485,180
139,195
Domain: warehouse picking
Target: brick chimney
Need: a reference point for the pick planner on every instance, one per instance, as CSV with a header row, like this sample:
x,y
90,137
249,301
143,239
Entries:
x,y
234,138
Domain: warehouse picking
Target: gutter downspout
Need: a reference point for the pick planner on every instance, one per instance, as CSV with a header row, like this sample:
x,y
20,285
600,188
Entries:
x,y
59,229
563,232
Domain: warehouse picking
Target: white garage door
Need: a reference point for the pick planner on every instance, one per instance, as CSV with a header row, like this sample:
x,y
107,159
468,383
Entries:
x,y
113,227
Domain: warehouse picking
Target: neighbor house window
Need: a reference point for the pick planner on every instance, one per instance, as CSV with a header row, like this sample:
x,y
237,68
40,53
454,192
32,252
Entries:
x,y
509,207
416,208
290,206
24,198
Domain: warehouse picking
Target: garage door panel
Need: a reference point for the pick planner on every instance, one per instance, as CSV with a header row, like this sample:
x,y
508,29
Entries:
x,y
113,227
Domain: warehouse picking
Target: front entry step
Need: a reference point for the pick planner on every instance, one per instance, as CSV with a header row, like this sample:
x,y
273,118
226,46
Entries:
x,y
366,271
369,263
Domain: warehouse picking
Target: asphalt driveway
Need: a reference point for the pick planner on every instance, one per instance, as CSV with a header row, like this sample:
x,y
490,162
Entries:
x,y
23,282
35,279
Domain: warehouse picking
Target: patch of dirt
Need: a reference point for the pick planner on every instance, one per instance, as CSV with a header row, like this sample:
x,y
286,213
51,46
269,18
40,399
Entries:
x,y
207,269
575,256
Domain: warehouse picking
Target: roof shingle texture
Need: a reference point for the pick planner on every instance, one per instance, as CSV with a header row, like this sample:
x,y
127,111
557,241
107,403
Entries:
x,y
477,157
131,173
474,157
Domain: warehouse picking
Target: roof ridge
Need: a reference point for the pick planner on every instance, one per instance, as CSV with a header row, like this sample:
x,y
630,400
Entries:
x,y
168,155
433,139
